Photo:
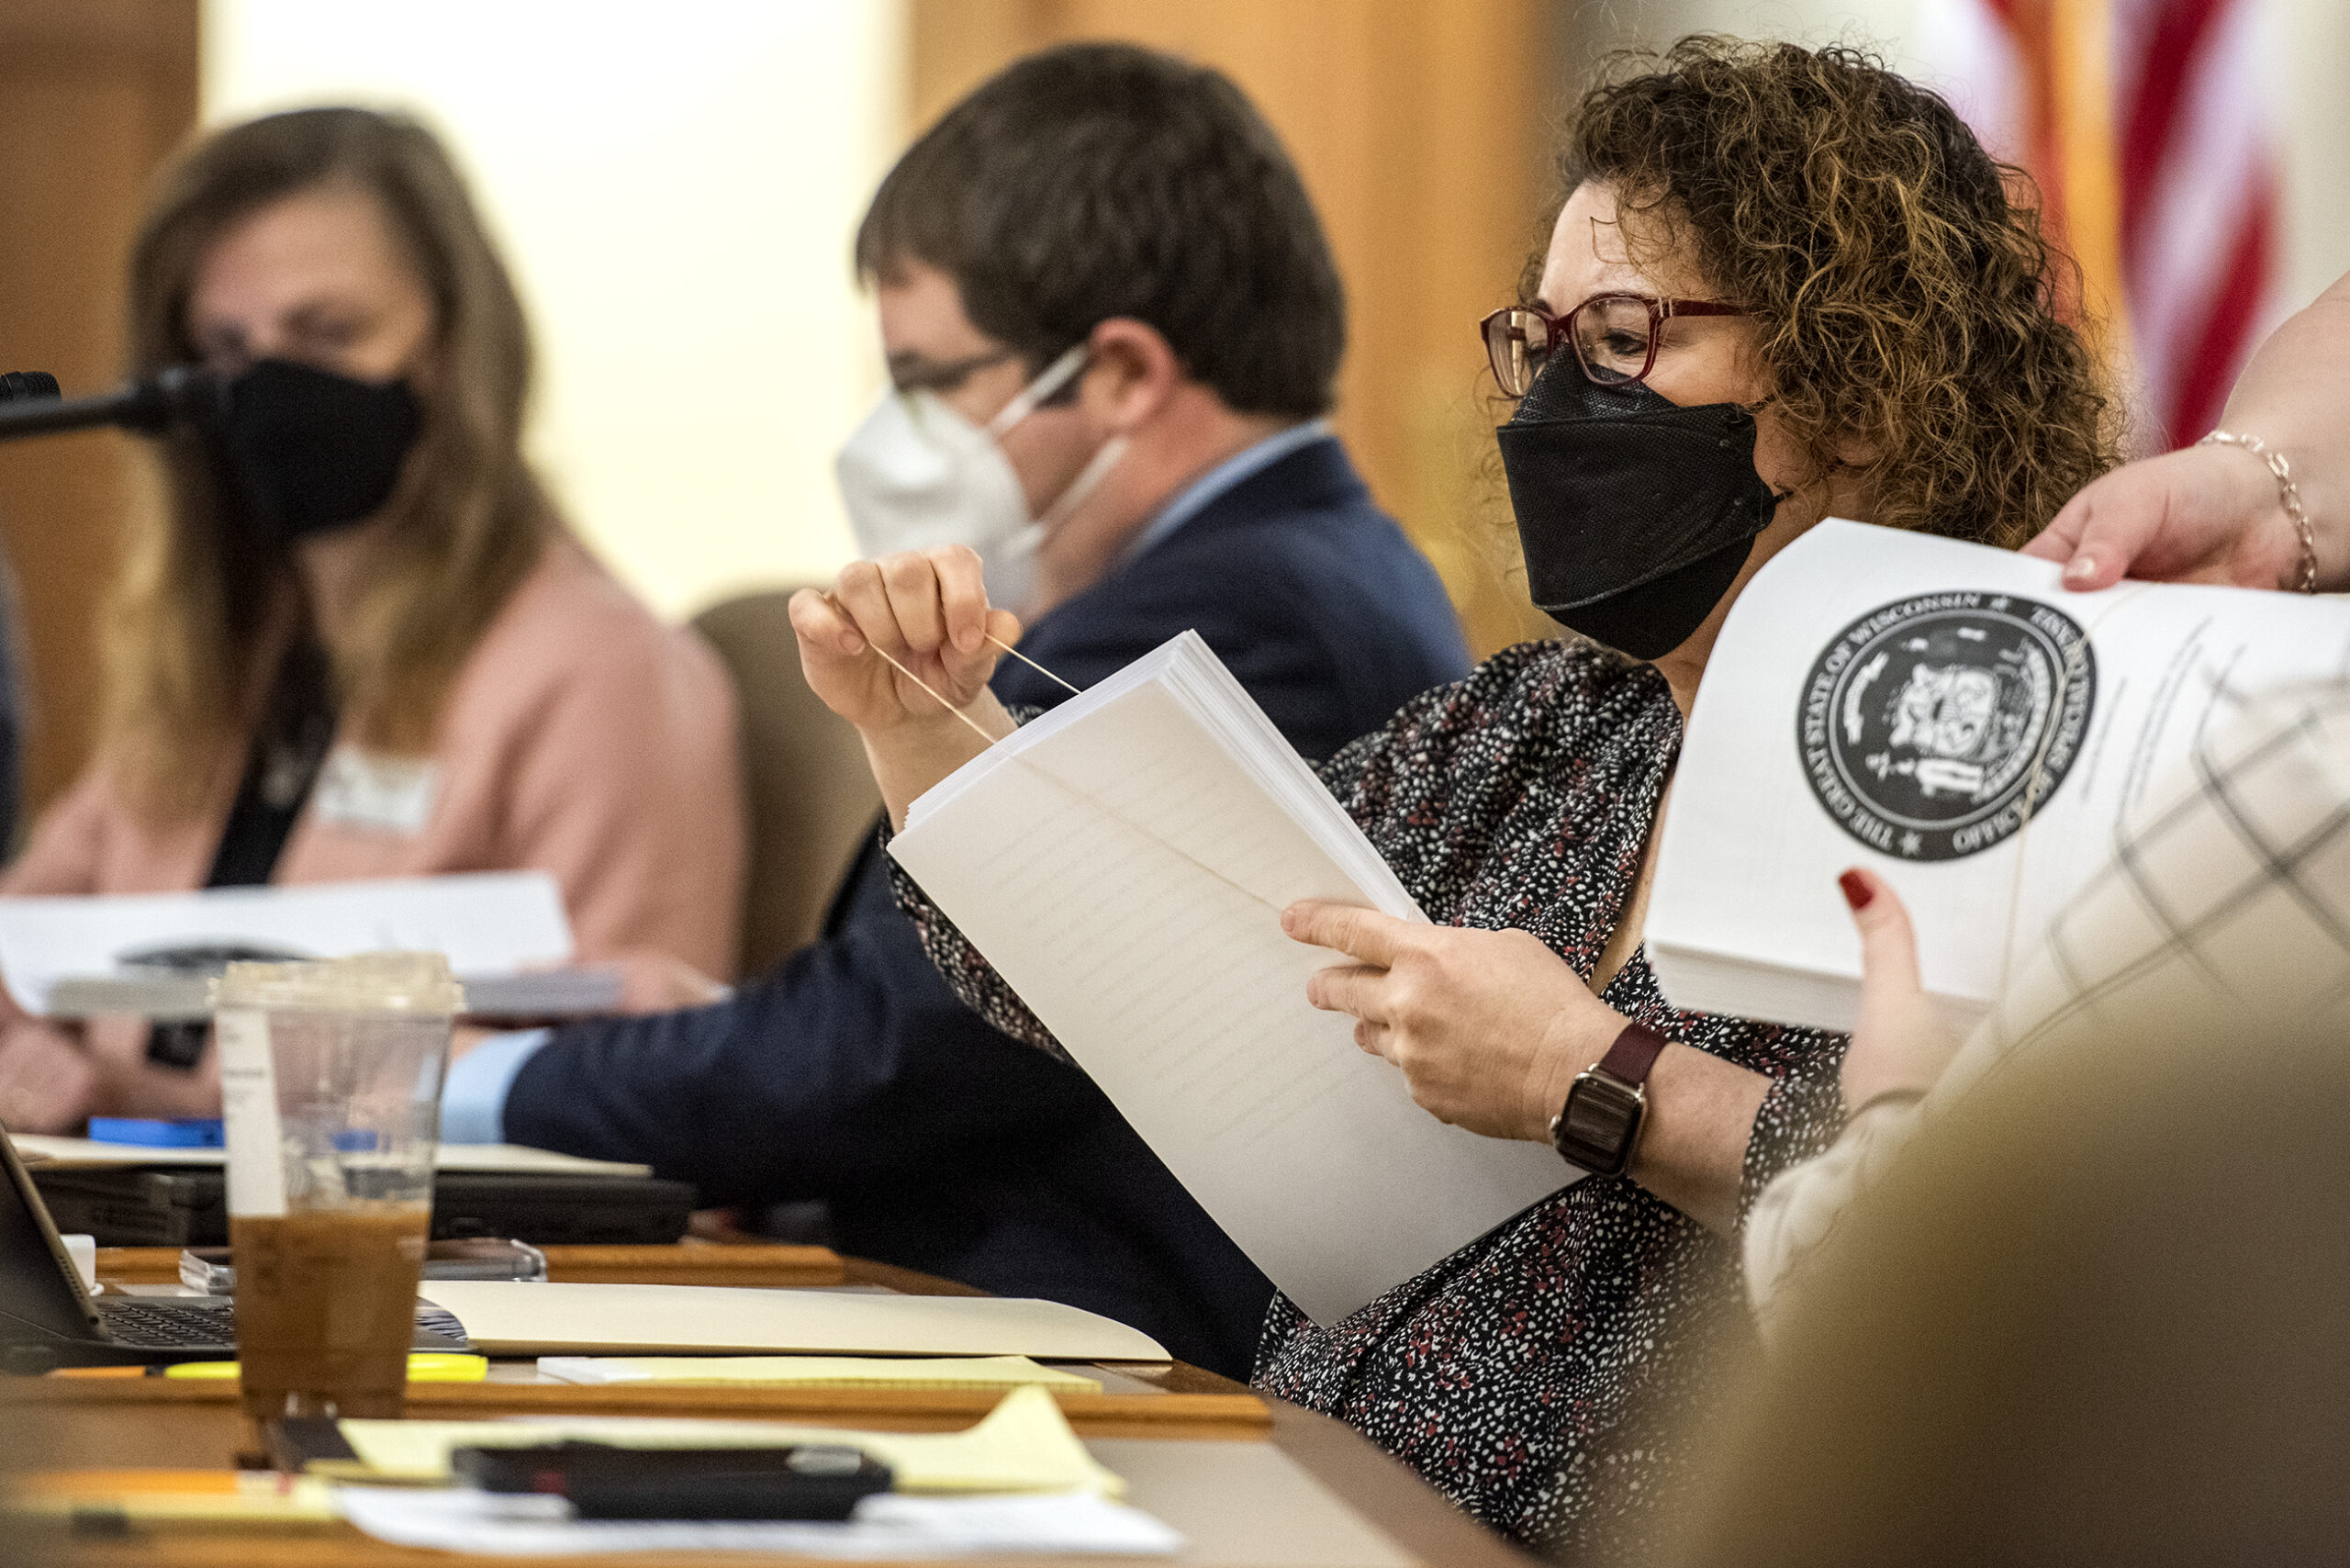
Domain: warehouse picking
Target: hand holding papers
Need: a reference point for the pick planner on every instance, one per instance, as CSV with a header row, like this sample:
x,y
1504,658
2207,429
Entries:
x,y
1124,862
1948,716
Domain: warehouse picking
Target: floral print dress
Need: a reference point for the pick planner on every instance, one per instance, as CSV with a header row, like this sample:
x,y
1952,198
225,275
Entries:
x,y
1544,1376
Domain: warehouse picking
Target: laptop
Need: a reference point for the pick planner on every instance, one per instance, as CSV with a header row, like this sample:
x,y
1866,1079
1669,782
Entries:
x,y
49,1319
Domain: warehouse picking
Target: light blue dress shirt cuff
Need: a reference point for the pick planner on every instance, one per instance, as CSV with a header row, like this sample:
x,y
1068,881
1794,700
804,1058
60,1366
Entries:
x,y
473,1097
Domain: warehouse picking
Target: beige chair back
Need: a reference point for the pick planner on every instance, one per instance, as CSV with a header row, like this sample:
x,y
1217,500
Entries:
x,y
812,798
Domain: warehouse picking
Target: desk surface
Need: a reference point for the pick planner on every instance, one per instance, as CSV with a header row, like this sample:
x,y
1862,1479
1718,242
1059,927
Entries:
x,y
1246,1481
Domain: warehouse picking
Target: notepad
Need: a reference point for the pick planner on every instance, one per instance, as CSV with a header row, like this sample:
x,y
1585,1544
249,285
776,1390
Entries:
x,y
1947,715
818,1371
1124,861
1025,1444
505,1318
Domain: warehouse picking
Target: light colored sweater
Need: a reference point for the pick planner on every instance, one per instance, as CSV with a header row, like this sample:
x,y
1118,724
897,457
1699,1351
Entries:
x,y
582,737
2220,922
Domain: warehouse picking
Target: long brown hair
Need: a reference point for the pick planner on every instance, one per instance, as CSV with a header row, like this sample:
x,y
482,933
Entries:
x,y
189,621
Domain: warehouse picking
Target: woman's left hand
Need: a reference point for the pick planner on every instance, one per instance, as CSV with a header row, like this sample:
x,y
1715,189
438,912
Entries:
x,y
1490,1027
1902,1042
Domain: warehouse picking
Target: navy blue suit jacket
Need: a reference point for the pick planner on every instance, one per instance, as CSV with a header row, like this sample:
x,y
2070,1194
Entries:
x,y
851,1073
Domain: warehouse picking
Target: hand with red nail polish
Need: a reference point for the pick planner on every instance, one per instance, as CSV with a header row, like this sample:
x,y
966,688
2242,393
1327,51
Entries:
x,y
1903,1041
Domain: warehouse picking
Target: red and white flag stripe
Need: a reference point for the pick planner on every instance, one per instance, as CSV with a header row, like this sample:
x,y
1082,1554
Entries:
x,y
2190,206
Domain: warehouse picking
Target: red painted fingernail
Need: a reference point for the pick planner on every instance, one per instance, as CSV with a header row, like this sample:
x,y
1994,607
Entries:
x,y
1857,891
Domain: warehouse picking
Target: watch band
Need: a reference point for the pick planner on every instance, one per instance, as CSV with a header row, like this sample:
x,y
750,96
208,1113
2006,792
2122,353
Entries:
x,y
1634,1052
1599,1125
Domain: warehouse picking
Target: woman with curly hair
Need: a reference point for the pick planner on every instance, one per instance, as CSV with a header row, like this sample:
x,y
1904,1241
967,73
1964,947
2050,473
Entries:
x,y
1784,286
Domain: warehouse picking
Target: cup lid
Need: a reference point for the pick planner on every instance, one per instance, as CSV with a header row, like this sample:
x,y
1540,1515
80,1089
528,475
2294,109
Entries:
x,y
372,982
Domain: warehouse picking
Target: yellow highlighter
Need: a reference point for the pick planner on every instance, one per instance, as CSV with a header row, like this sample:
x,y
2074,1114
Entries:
x,y
423,1366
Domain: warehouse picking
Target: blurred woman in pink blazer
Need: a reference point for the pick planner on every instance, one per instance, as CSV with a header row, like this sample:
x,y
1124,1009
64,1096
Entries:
x,y
356,641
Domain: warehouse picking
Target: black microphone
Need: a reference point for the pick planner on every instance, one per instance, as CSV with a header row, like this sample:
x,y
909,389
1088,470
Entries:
x,y
178,394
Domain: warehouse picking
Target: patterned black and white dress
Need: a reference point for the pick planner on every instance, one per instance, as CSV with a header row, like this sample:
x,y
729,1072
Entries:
x,y
1537,1376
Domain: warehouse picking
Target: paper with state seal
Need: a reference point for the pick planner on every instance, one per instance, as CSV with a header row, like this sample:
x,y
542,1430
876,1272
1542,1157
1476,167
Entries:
x,y
1948,716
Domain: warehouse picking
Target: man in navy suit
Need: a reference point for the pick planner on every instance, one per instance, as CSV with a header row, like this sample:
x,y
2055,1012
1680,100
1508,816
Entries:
x,y
1102,291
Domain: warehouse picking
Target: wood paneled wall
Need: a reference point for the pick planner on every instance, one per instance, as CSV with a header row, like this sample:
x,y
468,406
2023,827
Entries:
x,y
93,94
1418,126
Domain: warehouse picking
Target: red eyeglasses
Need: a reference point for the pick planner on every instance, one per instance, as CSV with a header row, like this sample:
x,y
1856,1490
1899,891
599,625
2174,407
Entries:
x,y
1614,335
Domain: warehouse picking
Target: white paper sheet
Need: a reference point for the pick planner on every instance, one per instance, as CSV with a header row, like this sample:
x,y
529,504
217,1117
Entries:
x,y
1932,757
1124,861
53,1153
487,923
503,1317
886,1527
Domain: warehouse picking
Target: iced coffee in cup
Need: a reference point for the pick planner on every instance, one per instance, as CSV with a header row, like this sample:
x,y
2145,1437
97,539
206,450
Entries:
x,y
331,1089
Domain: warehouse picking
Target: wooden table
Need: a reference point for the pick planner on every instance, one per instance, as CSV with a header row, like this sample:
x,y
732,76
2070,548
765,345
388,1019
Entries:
x,y
1249,1480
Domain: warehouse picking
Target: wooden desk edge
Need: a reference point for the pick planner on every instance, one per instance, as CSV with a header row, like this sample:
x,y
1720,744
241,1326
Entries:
x,y
1239,1415
682,1263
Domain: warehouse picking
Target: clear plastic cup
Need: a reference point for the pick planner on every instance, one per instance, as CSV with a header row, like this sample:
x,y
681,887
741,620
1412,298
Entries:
x,y
330,1091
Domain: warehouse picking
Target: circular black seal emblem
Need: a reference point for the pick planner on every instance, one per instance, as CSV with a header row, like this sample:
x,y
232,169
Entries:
x,y
1934,727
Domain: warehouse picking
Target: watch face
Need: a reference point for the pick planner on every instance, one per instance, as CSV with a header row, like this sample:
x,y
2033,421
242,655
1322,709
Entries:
x,y
1596,1128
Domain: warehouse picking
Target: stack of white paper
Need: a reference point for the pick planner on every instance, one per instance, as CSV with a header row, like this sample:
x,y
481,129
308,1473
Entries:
x,y
152,953
506,1317
1124,862
52,1152
1948,716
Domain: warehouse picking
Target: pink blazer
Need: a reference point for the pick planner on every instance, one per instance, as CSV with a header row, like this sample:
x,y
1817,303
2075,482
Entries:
x,y
582,737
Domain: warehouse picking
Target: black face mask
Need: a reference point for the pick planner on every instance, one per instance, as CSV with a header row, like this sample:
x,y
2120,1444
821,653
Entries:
x,y
1636,513
312,451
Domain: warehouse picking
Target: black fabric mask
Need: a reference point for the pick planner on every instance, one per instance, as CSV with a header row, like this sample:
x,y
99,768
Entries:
x,y
1636,513
312,450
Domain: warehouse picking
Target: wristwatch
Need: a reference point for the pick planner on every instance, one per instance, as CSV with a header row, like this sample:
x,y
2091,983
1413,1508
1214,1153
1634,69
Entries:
x,y
1600,1124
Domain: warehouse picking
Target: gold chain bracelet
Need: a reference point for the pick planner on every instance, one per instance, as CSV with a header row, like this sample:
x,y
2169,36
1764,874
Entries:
x,y
2287,493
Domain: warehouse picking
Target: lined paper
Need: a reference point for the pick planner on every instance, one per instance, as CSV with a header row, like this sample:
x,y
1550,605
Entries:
x,y
1124,862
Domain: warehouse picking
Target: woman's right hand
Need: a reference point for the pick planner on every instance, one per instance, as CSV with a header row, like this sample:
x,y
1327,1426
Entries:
x,y
928,611
925,608
2203,514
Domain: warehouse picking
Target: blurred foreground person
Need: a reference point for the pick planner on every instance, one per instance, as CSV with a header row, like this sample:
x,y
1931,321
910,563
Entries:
x,y
356,641
2242,944
2093,1315
2218,918
1113,325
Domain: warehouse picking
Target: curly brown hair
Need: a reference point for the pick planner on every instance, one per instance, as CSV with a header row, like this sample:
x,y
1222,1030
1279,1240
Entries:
x,y
1906,297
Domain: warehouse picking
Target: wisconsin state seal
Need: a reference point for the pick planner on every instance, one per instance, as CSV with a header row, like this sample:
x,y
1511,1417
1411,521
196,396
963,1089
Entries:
x,y
1932,728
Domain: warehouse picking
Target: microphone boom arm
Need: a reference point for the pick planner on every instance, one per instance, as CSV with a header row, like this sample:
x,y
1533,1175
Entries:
x,y
175,395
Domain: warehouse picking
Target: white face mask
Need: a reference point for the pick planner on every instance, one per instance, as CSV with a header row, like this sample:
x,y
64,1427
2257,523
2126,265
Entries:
x,y
917,475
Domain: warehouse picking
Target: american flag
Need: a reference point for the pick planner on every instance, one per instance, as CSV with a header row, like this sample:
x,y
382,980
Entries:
x,y
2146,125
